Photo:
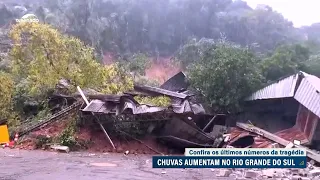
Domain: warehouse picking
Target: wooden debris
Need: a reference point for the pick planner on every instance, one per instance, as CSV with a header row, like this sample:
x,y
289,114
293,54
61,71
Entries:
x,y
310,153
97,120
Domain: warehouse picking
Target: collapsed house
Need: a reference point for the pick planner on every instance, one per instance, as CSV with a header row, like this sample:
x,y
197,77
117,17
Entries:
x,y
289,108
184,123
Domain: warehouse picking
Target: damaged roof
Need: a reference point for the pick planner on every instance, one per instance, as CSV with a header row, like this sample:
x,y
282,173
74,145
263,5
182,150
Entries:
x,y
283,88
260,142
181,102
128,105
303,87
160,91
176,83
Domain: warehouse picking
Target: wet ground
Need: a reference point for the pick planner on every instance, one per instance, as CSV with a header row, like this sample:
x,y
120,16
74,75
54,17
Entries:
x,y
40,165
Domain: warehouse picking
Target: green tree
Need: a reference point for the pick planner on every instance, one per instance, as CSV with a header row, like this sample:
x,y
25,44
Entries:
x,y
136,64
286,60
42,56
224,75
193,51
6,93
6,104
312,66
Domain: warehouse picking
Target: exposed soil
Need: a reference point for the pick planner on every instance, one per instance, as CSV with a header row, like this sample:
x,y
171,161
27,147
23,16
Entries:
x,y
53,130
160,70
95,141
98,142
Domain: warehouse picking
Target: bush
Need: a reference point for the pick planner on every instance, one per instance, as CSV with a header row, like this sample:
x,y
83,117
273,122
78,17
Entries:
x,y
67,136
161,101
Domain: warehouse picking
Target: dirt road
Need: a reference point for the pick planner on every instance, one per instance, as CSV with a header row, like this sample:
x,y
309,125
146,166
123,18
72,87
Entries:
x,y
40,165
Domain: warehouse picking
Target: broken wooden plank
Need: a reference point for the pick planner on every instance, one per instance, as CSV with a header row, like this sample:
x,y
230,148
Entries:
x,y
211,121
97,120
310,153
105,132
83,96
261,132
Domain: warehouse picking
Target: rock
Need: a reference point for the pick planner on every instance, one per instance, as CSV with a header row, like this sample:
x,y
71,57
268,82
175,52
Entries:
x,y
305,178
296,177
295,171
303,172
241,178
251,174
312,162
233,176
60,148
126,153
224,173
296,142
163,172
268,173
310,167
274,145
290,145
314,172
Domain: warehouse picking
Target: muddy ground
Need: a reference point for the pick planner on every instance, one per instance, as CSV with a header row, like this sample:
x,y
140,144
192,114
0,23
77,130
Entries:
x,y
95,141
38,165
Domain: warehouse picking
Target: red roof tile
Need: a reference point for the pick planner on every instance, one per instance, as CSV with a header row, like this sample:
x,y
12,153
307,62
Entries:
x,y
260,142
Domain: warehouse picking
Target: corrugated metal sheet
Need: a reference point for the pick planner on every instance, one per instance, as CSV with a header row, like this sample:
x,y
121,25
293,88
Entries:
x,y
127,105
308,95
176,83
281,89
95,106
314,80
160,91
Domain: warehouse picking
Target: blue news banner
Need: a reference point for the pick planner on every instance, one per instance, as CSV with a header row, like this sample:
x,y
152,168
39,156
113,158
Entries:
x,y
234,158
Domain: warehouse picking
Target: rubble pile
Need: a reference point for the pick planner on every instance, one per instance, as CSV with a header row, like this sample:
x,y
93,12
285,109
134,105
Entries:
x,y
185,123
310,173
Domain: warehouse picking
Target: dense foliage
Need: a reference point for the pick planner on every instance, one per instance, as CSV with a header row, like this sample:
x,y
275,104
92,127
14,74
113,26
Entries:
x,y
225,74
160,101
262,46
161,27
6,93
6,103
42,56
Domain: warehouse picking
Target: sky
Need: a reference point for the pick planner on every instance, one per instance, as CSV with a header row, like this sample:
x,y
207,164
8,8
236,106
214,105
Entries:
x,y
300,12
